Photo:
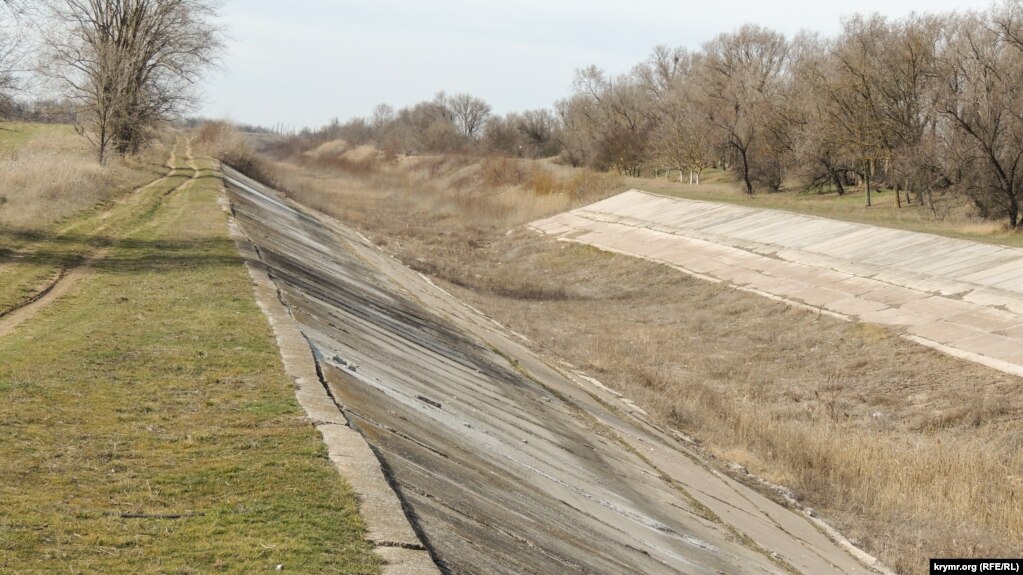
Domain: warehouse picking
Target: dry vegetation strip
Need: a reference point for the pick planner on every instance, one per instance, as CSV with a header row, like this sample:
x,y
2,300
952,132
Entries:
x,y
913,454
146,425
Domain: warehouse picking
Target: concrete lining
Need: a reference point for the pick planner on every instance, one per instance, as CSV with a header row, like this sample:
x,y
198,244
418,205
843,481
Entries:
x,y
957,296
387,527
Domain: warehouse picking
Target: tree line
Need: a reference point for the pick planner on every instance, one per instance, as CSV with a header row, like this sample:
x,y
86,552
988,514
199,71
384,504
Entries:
x,y
927,105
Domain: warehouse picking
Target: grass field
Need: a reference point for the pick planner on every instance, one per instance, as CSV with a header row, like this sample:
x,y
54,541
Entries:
x,y
146,424
15,136
912,453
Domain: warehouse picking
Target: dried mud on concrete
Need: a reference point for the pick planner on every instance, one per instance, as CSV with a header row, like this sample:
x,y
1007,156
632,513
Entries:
x,y
505,464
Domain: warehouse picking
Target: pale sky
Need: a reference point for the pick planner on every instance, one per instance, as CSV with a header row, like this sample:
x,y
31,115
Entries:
x,y
304,62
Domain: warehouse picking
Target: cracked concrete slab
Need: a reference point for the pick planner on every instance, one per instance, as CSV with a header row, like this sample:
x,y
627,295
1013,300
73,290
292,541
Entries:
x,y
504,463
964,298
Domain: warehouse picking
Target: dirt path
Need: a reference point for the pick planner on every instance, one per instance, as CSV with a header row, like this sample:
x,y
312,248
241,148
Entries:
x,y
957,296
507,464
68,277
64,282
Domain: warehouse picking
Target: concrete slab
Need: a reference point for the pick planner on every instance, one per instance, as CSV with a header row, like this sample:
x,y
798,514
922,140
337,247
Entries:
x,y
856,286
939,307
893,295
944,291
739,276
856,307
992,345
987,319
1012,269
896,317
996,298
1015,332
781,286
818,297
944,332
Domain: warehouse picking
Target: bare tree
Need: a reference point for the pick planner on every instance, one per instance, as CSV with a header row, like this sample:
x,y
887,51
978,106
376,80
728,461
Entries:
x,y
741,79
539,129
576,136
680,138
619,114
884,92
982,70
501,137
11,52
664,70
906,89
470,114
818,154
681,141
430,126
128,64
532,133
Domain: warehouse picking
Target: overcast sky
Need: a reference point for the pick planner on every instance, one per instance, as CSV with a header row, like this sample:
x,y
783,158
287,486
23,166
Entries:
x,y
304,62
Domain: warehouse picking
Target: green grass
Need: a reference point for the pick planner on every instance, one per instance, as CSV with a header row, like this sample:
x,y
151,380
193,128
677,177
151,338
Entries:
x,y
14,135
155,388
718,186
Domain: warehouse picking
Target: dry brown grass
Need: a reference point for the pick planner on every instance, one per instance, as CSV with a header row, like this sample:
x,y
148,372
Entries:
x,y
221,140
461,193
48,173
913,454
337,154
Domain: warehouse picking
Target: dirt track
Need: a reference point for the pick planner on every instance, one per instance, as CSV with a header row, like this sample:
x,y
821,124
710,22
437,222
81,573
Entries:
x,y
506,464
66,278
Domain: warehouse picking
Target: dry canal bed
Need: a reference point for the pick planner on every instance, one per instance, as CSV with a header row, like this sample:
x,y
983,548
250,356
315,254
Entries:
x,y
506,464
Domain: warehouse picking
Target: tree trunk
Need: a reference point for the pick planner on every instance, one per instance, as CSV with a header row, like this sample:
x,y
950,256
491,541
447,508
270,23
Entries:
x,y
745,173
866,183
836,180
102,146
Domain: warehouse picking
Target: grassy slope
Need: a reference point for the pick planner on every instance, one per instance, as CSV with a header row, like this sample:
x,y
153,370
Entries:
x,y
15,135
155,388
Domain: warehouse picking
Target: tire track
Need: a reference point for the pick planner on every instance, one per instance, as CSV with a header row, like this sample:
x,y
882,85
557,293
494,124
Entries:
x,y
69,276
